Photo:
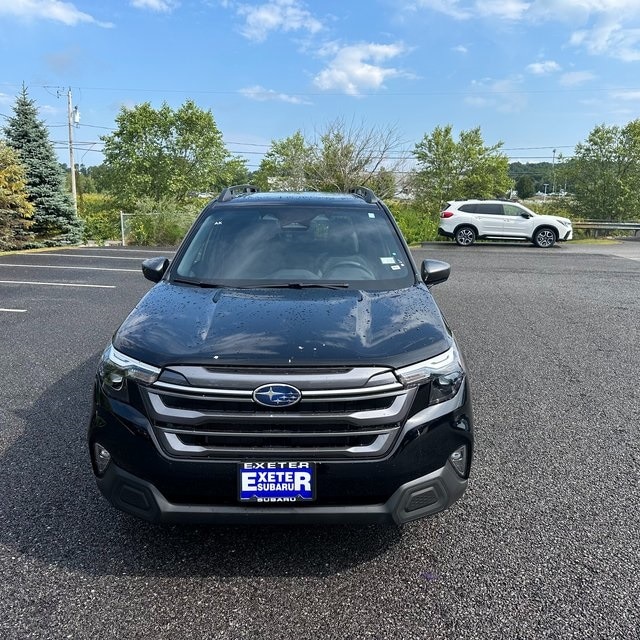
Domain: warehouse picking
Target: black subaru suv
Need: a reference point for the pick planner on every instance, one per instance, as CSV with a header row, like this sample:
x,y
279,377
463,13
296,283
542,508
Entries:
x,y
290,365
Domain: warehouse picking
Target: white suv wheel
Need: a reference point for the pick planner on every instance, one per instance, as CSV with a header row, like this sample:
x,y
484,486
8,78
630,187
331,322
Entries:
x,y
544,238
465,236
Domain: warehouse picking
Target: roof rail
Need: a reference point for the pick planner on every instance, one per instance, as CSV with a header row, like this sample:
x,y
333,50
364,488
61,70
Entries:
x,y
237,190
365,193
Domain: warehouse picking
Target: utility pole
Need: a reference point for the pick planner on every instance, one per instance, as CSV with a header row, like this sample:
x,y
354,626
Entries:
x,y
553,171
71,160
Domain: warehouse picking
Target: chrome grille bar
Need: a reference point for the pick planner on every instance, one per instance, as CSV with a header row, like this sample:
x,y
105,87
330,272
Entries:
x,y
348,413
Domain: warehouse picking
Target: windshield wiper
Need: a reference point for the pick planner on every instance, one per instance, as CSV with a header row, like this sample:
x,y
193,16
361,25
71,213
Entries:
x,y
197,283
300,285
258,285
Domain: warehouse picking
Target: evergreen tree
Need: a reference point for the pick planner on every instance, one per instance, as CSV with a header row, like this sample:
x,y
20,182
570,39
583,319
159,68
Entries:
x,y
54,220
15,208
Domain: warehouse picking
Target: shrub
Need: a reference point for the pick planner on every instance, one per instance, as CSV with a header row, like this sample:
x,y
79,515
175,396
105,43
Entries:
x,y
101,217
416,225
552,207
161,222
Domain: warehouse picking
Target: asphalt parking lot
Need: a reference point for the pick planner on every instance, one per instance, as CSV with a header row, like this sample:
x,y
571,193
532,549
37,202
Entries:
x,y
544,544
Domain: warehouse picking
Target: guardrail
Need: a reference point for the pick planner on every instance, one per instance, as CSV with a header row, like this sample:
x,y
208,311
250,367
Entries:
x,y
607,225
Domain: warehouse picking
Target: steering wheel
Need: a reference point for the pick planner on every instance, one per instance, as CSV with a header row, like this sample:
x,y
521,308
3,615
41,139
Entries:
x,y
351,264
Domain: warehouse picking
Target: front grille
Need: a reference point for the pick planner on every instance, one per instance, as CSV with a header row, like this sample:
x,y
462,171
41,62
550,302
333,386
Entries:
x,y
250,408
283,441
350,413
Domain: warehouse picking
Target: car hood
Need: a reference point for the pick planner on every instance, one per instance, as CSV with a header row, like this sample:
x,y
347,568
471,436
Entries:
x,y
546,218
177,324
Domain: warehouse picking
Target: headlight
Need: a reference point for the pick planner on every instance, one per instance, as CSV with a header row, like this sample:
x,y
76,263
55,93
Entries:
x,y
116,367
564,223
444,372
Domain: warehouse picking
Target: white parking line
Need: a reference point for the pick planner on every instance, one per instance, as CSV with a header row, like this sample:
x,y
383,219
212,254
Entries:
x,y
138,251
14,310
60,284
50,266
86,255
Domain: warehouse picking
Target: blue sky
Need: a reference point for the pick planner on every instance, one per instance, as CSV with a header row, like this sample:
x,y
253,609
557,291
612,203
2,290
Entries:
x,y
535,74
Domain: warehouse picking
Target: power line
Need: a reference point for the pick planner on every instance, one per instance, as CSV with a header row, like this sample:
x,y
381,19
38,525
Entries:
x,y
240,92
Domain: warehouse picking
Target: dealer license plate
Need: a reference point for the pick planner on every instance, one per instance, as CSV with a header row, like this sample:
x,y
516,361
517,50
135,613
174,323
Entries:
x,y
276,481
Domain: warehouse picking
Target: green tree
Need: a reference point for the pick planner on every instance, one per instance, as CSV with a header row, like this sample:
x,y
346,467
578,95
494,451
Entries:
x,y
525,187
84,181
450,170
54,220
284,166
234,171
346,156
383,183
166,153
605,173
15,208
339,158
541,173
98,174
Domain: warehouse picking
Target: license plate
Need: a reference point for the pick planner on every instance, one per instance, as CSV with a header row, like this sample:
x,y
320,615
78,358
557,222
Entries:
x,y
276,481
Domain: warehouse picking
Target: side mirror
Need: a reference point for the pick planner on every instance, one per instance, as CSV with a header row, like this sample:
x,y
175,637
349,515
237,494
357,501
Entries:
x,y
526,215
154,268
434,272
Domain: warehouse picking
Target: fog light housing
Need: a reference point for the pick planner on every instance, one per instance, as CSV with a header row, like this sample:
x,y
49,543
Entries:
x,y
458,460
101,458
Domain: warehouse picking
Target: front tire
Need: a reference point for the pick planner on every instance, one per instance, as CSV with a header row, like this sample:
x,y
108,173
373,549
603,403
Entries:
x,y
544,238
465,236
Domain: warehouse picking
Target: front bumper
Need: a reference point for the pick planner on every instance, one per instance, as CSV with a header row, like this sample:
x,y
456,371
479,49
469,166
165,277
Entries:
x,y
418,498
414,479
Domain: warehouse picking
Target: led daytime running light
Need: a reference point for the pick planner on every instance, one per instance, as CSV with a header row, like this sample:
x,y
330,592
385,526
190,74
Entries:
x,y
114,362
421,372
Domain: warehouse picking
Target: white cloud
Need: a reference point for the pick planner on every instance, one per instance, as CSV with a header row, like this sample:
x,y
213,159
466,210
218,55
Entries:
x,y
576,78
580,10
543,68
477,101
55,10
504,95
450,8
603,27
276,15
358,67
460,49
263,95
161,6
505,9
612,39
629,96
50,110
569,11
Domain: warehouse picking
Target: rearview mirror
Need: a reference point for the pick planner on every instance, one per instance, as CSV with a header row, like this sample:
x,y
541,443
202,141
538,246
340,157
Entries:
x,y
434,272
154,268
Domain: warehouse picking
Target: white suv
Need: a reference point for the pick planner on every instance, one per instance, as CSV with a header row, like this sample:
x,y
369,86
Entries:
x,y
467,220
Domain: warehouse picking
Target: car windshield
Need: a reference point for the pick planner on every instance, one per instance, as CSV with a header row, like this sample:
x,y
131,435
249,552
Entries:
x,y
265,245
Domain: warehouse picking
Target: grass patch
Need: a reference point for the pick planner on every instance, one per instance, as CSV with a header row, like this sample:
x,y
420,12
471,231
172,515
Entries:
x,y
594,241
40,250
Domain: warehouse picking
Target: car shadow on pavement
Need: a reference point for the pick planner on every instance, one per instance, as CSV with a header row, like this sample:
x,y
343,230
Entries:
x,y
52,511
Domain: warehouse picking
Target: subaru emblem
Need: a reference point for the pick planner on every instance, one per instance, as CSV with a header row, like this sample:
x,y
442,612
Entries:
x,y
277,395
